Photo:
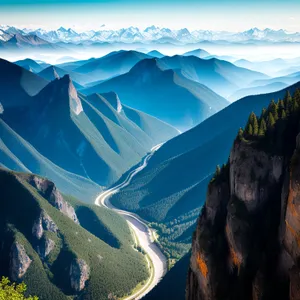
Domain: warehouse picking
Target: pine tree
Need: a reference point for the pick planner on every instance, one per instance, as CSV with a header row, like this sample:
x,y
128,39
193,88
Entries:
x,y
250,129
287,97
288,103
297,96
218,170
263,113
283,114
273,108
255,125
262,127
271,121
295,105
281,105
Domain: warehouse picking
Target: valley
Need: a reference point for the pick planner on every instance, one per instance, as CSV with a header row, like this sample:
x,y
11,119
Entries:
x,y
145,237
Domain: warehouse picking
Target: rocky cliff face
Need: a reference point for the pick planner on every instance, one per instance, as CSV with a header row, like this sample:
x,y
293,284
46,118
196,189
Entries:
x,y
19,261
247,241
79,274
48,190
44,222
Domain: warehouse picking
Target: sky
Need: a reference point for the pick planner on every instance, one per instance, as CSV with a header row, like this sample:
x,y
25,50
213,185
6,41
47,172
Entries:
x,y
229,15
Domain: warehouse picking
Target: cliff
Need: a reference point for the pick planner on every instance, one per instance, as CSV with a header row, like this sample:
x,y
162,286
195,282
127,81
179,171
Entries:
x,y
247,242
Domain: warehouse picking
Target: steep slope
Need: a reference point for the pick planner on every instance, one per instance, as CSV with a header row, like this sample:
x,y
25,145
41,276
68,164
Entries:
x,y
89,136
172,188
53,72
111,65
17,84
246,245
61,250
221,76
164,94
18,155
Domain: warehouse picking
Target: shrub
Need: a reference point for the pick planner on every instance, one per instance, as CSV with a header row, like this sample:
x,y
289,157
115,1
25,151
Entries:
x,y
13,291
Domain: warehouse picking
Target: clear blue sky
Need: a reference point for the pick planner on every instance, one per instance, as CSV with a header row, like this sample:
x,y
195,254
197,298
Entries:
x,y
233,15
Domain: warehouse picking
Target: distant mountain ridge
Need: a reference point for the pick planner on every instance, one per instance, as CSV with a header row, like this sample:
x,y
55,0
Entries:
x,y
151,33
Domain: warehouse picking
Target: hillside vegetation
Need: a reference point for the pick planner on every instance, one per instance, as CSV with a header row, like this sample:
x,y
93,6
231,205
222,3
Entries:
x,y
98,239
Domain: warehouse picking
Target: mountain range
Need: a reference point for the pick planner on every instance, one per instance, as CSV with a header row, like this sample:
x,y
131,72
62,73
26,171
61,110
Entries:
x,y
164,94
95,137
150,34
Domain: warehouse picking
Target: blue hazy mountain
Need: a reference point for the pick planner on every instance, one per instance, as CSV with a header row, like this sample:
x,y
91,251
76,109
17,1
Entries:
x,y
198,53
155,53
30,65
112,64
52,72
70,66
268,88
287,79
166,95
18,84
95,137
221,76
172,187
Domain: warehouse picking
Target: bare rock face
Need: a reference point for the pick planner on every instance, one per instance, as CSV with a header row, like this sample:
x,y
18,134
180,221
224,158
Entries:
x,y
79,274
49,191
44,222
19,261
45,247
247,241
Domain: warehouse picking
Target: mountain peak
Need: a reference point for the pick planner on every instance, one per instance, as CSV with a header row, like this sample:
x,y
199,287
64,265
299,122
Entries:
x,y
113,100
62,29
60,89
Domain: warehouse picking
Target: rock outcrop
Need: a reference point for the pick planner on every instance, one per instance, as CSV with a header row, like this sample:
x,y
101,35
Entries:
x,y
44,222
79,274
48,190
19,261
45,247
247,242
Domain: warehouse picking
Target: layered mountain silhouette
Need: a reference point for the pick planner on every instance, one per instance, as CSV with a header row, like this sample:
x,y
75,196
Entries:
x,y
198,53
111,65
165,94
155,53
95,137
221,76
30,65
